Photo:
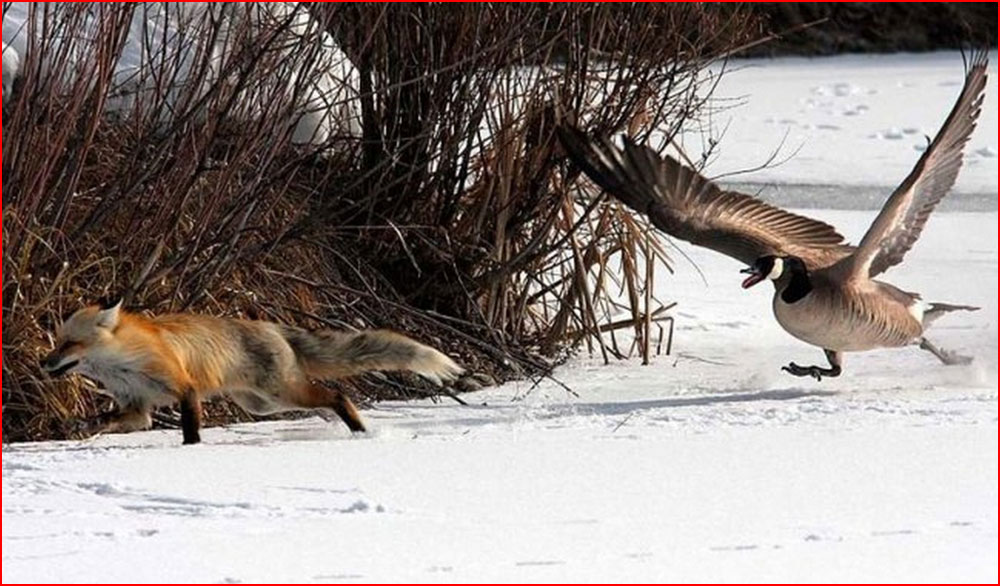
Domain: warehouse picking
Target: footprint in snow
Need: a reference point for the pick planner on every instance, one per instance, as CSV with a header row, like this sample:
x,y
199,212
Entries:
x,y
890,134
844,89
840,90
812,537
893,533
641,555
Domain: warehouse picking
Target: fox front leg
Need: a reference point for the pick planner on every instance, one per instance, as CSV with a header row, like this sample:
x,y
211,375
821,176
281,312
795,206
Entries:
x,y
190,416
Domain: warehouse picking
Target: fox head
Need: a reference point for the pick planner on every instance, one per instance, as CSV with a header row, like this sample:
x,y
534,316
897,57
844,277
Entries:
x,y
87,329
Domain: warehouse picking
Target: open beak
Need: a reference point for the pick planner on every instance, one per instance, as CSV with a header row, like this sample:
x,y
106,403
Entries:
x,y
754,278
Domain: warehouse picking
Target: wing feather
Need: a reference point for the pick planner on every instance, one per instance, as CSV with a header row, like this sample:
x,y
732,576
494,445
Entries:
x,y
902,219
685,204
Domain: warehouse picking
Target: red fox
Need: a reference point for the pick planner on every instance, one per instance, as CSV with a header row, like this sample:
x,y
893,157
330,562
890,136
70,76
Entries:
x,y
265,367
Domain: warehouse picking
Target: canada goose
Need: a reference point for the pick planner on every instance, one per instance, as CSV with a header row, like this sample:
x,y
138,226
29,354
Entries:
x,y
825,293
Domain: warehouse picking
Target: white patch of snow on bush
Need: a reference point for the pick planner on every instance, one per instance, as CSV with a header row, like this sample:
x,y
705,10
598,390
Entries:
x,y
327,108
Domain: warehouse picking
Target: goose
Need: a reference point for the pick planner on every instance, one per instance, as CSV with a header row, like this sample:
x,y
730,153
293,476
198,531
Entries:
x,y
825,291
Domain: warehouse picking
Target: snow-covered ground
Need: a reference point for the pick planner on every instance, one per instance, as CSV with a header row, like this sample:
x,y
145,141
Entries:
x,y
708,465
857,120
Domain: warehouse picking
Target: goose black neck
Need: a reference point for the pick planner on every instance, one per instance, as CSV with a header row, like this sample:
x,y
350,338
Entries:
x,y
799,284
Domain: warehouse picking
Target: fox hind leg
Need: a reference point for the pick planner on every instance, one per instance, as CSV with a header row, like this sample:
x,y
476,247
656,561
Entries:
x,y
313,396
296,396
348,413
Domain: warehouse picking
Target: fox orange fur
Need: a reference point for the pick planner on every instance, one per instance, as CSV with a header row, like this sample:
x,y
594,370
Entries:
x,y
146,362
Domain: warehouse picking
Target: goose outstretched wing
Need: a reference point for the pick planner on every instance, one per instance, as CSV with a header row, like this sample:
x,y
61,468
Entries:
x,y
902,219
684,204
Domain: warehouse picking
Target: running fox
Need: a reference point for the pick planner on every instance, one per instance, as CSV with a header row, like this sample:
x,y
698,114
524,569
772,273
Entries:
x,y
265,367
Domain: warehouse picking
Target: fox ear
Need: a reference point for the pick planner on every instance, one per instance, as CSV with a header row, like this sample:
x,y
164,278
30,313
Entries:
x,y
107,316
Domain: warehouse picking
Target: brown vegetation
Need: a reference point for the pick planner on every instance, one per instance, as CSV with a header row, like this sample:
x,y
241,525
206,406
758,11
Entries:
x,y
455,218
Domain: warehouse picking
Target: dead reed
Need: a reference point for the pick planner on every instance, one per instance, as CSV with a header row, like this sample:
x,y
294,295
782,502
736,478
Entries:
x,y
448,213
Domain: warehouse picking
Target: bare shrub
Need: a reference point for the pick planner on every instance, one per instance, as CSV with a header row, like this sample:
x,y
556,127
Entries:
x,y
454,216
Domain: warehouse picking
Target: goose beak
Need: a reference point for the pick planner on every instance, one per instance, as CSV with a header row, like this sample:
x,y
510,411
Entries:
x,y
754,278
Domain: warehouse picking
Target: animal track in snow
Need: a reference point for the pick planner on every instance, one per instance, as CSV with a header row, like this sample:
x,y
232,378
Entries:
x,y
856,110
891,133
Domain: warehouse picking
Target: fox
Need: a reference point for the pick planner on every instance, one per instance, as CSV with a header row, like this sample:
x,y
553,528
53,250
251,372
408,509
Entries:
x,y
265,367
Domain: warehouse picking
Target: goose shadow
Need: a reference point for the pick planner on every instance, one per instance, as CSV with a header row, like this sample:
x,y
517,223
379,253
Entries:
x,y
626,407
480,415
246,434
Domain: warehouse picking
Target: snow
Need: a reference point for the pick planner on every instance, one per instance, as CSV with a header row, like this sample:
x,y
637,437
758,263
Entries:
x,y
327,107
707,465
851,119
11,65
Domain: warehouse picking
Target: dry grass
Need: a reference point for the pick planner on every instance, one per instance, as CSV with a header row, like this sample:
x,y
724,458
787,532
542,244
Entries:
x,y
454,217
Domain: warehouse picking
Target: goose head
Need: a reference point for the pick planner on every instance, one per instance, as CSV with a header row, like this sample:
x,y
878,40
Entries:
x,y
768,267
779,269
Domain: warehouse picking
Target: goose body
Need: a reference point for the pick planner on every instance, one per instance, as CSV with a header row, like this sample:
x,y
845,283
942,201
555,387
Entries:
x,y
851,318
825,290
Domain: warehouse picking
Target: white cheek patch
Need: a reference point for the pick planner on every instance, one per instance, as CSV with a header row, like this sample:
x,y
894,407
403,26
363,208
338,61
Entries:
x,y
917,309
777,269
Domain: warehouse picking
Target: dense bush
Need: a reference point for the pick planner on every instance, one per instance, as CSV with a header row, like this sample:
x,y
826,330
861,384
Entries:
x,y
452,215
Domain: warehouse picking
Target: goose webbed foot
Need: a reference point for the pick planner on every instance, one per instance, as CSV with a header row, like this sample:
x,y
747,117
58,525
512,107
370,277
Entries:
x,y
817,372
946,357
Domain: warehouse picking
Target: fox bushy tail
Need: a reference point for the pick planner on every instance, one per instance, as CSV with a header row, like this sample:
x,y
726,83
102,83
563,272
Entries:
x,y
329,354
